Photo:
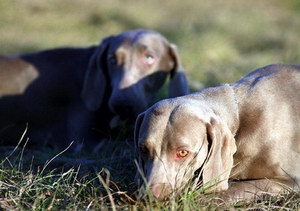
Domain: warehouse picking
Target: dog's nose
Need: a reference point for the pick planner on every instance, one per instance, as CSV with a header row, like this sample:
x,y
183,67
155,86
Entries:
x,y
161,190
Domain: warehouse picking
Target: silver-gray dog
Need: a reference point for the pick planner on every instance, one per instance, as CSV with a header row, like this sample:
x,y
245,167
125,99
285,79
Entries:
x,y
71,94
243,137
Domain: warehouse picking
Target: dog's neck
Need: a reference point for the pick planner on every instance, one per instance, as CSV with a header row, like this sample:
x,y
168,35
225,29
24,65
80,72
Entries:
x,y
236,110
225,104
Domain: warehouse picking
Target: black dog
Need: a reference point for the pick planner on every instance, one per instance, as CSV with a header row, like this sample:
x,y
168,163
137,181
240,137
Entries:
x,y
75,94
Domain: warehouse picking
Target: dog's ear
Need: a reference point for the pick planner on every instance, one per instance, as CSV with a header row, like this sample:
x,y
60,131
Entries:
x,y
178,82
94,83
219,161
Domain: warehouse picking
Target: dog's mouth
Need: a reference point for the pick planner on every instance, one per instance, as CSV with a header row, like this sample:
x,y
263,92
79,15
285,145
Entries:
x,y
164,191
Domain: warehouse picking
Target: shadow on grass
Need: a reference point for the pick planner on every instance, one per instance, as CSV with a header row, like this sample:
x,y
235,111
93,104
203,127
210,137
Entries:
x,y
45,177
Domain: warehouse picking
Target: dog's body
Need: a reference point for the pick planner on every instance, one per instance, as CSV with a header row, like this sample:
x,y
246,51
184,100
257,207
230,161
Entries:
x,y
51,103
72,94
243,136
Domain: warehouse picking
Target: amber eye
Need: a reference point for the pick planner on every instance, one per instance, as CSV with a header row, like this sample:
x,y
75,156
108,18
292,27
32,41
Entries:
x,y
182,153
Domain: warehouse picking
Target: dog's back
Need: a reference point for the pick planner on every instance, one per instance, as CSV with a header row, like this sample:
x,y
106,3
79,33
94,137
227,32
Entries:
x,y
37,89
269,112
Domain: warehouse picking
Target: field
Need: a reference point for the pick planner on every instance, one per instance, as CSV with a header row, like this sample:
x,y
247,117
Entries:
x,y
218,41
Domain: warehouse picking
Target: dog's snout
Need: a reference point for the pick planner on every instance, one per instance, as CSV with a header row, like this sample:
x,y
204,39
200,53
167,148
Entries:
x,y
161,190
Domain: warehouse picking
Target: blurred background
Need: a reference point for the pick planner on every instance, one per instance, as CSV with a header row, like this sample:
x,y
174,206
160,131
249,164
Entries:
x,y
219,41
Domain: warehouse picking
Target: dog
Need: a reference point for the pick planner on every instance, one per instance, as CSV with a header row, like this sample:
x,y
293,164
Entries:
x,y
243,138
75,94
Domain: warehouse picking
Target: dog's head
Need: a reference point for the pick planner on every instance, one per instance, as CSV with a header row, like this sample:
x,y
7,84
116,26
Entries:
x,y
177,137
133,66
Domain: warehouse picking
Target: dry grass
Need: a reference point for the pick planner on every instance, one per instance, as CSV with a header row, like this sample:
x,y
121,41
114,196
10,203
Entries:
x,y
101,183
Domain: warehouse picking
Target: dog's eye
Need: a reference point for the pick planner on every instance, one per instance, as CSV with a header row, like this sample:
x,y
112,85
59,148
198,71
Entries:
x,y
149,59
181,153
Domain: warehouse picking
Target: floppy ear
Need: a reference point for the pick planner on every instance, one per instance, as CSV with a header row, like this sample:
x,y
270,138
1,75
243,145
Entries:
x,y
178,82
220,158
94,83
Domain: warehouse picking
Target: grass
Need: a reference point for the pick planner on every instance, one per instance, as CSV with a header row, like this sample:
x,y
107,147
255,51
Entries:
x,y
219,41
44,187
